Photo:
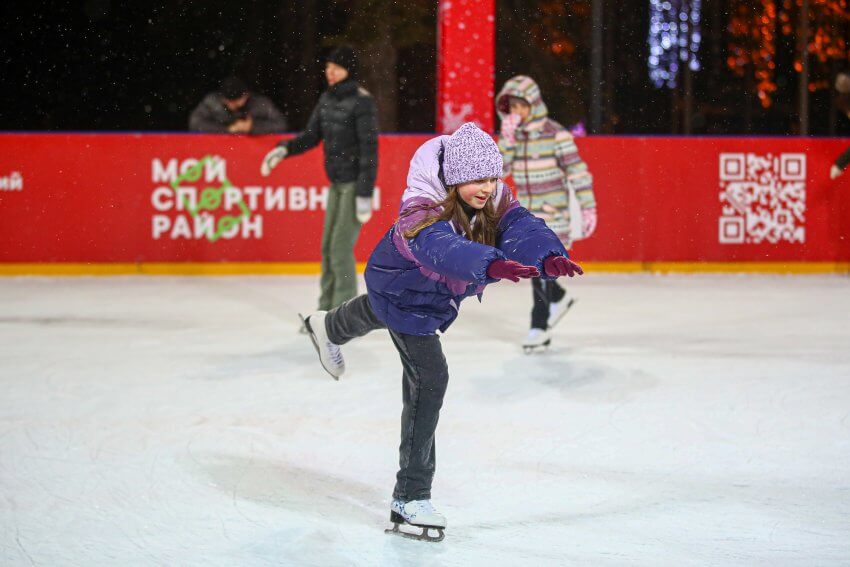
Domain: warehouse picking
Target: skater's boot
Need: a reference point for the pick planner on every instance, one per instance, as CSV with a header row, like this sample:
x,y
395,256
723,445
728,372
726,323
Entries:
x,y
330,354
417,513
557,309
537,339
420,514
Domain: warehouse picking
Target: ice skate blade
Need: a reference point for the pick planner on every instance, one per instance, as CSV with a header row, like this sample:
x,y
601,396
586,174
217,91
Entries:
x,y
537,348
309,332
555,320
424,536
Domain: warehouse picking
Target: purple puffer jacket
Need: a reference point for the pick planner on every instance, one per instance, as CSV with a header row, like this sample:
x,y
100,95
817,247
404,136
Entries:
x,y
416,285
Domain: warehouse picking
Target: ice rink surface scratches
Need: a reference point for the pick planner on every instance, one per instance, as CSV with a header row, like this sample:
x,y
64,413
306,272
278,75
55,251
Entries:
x,y
676,420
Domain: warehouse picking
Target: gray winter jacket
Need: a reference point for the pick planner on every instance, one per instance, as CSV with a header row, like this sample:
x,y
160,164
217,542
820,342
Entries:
x,y
212,116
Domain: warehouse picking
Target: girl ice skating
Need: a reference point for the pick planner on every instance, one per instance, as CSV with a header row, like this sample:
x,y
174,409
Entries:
x,y
459,229
544,161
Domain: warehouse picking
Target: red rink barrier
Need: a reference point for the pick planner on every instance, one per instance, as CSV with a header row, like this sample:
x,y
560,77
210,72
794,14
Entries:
x,y
111,198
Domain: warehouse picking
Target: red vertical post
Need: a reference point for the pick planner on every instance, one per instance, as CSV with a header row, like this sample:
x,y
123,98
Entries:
x,y
466,47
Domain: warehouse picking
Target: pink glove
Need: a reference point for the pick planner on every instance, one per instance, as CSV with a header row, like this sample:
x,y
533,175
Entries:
x,y
588,222
509,126
557,266
510,270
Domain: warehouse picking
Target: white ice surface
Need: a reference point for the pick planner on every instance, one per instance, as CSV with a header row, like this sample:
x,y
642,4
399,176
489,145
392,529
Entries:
x,y
678,420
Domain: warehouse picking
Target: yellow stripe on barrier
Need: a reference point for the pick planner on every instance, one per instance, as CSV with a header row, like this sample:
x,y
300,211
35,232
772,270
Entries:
x,y
163,269
313,268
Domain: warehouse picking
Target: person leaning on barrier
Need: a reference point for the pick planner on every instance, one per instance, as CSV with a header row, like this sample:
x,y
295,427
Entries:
x,y
345,118
842,85
235,109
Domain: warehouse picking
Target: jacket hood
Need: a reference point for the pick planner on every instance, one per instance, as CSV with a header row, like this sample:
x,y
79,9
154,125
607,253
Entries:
x,y
423,177
525,88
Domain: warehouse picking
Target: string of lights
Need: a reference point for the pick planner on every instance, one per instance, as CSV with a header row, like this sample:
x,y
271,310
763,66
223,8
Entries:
x,y
674,39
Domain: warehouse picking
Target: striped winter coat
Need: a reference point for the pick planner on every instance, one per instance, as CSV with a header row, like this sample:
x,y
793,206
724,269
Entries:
x,y
544,160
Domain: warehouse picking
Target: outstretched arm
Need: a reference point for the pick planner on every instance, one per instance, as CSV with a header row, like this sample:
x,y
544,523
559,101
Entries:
x,y
525,238
440,249
309,138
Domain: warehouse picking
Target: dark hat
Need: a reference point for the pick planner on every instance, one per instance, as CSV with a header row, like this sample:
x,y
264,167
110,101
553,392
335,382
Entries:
x,y
345,57
233,87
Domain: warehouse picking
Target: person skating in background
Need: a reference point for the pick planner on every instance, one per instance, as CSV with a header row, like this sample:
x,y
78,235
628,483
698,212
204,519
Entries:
x,y
459,229
544,161
345,118
842,85
234,109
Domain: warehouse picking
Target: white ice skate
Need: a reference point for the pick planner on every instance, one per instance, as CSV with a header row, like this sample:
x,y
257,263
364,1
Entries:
x,y
329,353
558,309
420,514
537,340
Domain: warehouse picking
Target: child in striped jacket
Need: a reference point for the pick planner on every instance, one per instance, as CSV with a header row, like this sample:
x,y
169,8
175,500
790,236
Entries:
x,y
543,159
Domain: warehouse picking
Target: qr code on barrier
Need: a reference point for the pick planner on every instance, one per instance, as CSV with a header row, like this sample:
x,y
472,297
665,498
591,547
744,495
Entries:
x,y
763,198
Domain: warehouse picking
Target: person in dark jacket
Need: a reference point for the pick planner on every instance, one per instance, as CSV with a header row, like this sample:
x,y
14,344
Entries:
x,y
345,118
235,109
459,229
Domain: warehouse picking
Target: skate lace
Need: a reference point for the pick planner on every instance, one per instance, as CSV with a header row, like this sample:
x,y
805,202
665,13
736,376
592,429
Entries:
x,y
335,352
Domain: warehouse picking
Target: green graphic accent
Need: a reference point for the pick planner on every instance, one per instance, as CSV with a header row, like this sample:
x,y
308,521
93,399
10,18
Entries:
x,y
210,198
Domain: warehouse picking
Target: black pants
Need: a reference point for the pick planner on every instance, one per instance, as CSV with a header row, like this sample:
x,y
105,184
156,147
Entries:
x,y
546,292
424,381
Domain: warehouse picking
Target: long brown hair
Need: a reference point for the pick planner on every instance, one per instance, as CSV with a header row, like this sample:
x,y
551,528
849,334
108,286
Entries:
x,y
486,224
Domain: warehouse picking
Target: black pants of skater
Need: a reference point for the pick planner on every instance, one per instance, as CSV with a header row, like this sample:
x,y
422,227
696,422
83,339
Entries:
x,y
424,381
546,292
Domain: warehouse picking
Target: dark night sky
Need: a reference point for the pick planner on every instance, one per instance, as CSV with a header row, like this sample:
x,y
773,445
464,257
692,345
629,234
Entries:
x,y
101,65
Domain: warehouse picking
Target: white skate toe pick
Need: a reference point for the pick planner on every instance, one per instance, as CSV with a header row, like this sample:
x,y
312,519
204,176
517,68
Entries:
x,y
419,514
330,354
